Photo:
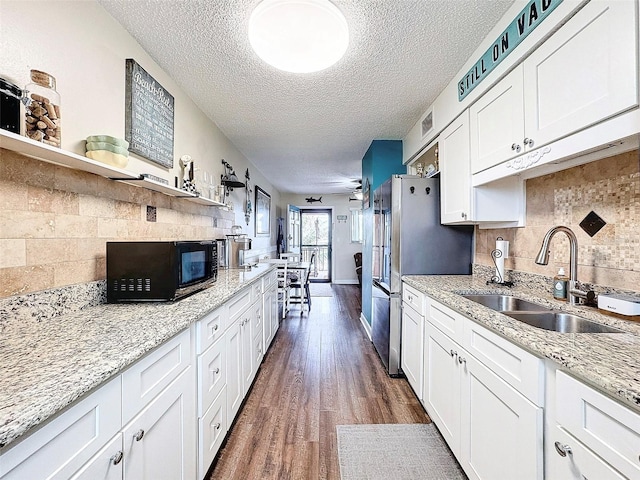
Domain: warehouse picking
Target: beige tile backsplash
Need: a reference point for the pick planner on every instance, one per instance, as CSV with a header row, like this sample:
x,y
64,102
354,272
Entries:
x,y
611,188
55,222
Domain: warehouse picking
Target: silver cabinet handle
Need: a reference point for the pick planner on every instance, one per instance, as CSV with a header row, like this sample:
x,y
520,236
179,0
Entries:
x,y
462,360
217,426
217,370
528,141
215,327
563,450
138,435
453,353
117,458
464,215
516,147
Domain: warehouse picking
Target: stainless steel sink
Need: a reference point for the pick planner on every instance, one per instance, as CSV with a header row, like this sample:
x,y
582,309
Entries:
x,y
561,322
539,316
505,303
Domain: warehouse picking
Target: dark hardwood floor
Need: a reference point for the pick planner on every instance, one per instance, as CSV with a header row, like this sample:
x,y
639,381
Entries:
x,y
321,371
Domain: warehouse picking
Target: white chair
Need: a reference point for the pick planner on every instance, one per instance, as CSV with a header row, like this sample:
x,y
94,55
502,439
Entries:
x,y
290,256
284,284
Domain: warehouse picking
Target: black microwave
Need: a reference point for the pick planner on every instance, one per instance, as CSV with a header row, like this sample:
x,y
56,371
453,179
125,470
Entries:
x,y
159,271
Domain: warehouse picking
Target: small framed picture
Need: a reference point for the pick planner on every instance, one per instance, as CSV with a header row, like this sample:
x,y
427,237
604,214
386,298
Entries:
x,y
263,212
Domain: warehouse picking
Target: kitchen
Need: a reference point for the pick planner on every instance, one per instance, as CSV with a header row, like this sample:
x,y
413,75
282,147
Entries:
x,y
56,227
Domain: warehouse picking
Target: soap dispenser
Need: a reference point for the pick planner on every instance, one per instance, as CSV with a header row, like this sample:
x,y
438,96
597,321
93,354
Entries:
x,y
560,282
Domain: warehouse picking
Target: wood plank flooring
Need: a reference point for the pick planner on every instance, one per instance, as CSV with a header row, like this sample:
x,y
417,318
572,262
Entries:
x,y
321,371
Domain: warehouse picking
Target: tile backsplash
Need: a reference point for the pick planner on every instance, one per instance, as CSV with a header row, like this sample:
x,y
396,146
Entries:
x,y
55,222
609,187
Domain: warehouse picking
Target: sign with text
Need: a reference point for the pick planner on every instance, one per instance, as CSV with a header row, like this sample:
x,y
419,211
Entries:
x,y
149,115
526,21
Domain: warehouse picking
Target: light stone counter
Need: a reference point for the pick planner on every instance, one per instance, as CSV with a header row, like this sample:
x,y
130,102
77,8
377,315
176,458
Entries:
x,y
610,362
48,364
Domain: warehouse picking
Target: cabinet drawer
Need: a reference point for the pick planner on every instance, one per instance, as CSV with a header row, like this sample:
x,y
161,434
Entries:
x,y
256,291
212,428
268,280
150,375
450,322
212,375
64,445
580,464
413,297
238,304
520,369
210,328
611,430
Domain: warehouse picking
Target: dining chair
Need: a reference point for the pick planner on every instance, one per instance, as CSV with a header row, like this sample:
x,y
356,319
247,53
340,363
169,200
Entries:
x,y
284,284
302,286
291,256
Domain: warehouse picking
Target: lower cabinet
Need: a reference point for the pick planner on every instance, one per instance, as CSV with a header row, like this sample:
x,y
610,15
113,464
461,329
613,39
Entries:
x,y
492,428
411,358
270,311
594,437
160,443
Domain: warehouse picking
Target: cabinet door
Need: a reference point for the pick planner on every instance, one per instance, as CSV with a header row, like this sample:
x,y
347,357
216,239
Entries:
x,y
62,446
106,464
212,428
455,171
501,431
212,375
235,394
586,72
246,340
412,359
497,123
578,463
442,385
160,443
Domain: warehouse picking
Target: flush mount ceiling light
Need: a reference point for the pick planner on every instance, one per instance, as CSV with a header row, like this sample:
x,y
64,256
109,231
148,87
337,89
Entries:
x,y
299,36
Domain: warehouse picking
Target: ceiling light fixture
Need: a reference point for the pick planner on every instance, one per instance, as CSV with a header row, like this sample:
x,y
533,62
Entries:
x,y
299,36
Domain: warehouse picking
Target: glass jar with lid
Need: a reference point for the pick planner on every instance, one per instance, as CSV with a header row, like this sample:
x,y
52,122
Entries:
x,y
42,116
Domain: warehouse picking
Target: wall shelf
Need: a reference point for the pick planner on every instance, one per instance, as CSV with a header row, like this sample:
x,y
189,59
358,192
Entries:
x,y
46,153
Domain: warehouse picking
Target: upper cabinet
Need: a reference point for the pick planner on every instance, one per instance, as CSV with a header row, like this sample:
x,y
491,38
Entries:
x,y
499,204
565,97
497,123
585,73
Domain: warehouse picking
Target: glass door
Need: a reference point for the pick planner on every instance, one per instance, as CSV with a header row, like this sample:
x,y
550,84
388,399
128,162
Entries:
x,y
316,238
293,229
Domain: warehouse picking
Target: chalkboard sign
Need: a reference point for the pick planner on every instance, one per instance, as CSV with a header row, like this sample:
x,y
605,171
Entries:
x,y
148,116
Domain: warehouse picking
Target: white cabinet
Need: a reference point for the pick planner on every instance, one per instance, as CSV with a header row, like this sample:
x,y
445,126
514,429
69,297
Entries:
x,y
497,123
579,77
270,309
212,429
480,406
455,174
233,350
594,436
500,202
411,359
63,446
160,443
586,72
106,464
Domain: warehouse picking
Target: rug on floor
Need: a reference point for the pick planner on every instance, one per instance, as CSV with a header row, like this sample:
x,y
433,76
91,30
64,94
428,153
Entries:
x,y
398,452
321,290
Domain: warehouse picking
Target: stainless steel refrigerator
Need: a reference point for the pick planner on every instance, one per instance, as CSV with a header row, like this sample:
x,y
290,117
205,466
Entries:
x,y
409,240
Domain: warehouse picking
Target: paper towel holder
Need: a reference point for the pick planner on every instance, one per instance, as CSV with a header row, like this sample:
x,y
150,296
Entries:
x,y
497,278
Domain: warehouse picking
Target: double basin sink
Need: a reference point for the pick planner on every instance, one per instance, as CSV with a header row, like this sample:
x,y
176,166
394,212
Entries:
x,y
539,316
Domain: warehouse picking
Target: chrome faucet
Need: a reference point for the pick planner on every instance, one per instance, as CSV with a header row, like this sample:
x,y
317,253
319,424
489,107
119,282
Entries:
x,y
574,292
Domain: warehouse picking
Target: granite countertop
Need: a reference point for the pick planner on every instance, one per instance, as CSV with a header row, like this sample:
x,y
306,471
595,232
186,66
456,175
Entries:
x,y
48,364
610,362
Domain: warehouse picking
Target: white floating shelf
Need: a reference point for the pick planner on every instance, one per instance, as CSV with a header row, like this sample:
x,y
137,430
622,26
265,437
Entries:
x,y
47,153
207,201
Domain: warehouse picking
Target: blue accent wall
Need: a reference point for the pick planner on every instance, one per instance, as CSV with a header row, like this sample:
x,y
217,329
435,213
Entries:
x,y
383,159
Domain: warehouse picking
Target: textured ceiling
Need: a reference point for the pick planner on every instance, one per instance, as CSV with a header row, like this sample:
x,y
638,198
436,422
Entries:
x,y
307,133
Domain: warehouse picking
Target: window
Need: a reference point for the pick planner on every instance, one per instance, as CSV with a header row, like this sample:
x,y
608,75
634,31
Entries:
x,y
356,225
